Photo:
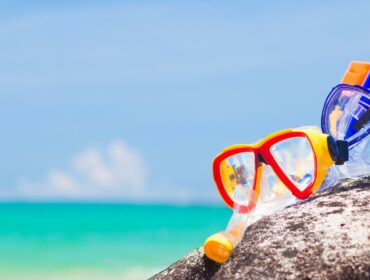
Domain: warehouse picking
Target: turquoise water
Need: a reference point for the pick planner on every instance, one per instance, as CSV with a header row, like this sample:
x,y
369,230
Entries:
x,y
99,241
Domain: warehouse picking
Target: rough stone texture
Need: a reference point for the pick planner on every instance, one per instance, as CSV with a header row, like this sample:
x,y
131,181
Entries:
x,y
193,266
324,237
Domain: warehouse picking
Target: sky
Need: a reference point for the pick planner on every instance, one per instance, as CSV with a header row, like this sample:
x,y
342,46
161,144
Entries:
x,y
131,100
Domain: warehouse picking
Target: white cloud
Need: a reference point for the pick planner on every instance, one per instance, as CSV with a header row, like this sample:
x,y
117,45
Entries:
x,y
116,172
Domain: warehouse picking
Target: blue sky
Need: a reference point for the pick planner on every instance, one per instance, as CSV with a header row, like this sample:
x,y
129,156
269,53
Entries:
x,y
131,100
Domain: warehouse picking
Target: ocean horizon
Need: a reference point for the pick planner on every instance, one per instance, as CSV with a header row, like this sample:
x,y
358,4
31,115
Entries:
x,y
85,240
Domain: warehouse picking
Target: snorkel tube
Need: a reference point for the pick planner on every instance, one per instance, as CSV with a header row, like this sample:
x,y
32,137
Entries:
x,y
351,125
262,178
218,247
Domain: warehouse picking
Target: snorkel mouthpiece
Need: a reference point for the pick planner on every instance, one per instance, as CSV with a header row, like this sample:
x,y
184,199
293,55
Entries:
x,y
338,150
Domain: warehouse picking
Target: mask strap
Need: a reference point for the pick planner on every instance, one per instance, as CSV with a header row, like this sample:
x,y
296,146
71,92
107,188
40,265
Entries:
x,y
366,83
362,121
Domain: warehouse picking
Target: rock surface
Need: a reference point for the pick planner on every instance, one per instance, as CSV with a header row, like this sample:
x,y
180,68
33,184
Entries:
x,y
324,237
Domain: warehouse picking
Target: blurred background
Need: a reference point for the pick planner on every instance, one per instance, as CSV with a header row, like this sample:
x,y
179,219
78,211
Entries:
x,y
112,111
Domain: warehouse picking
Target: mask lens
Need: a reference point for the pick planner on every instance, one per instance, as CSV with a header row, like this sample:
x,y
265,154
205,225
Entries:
x,y
344,115
237,173
295,157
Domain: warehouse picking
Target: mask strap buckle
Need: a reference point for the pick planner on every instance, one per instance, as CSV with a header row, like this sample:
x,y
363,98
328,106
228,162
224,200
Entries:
x,y
338,150
343,154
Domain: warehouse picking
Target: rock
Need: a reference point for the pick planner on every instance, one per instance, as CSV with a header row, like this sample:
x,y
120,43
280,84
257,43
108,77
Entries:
x,y
193,266
324,237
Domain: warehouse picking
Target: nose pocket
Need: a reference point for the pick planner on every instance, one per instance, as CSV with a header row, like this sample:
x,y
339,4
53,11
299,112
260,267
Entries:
x,y
271,186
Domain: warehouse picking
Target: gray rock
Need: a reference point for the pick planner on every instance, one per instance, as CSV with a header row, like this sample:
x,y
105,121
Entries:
x,y
324,237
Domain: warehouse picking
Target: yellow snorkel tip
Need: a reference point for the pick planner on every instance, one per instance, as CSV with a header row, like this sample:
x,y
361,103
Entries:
x,y
218,248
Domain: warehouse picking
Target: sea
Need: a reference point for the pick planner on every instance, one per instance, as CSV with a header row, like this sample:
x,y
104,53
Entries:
x,y
94,241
